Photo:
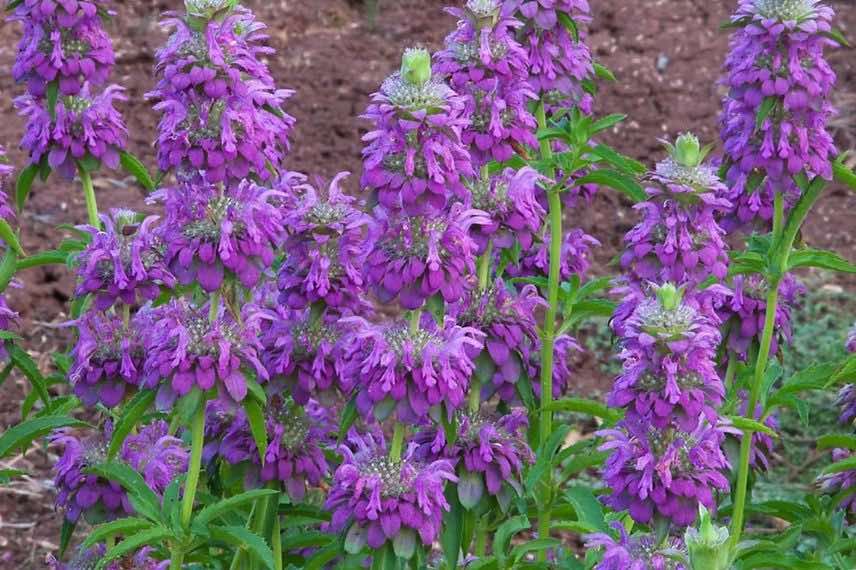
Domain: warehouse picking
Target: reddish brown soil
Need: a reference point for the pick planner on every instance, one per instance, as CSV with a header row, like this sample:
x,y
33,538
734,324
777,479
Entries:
x,y
331,54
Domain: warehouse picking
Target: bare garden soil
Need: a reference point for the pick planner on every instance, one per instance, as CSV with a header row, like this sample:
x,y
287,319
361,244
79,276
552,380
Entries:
x,y
666,54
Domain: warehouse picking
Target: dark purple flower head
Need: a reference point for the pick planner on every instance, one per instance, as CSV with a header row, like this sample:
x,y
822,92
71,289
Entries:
x,y
89,559
415,158
9,320
576,255
384,500
326,247
851,340
490,452
410,369
847,402
510,199
487,66
107,360
123,261
417,257
305,350
834,483
297,437
86,125
63,41
6,171
664,472
679,239
636,552
157,456
669,355
508,321
774,121
747,308
560,63
222,113
209,231
186,349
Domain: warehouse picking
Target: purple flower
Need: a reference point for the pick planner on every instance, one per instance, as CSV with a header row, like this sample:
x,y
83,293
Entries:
x,y
326,247
6,171
669,355
415,157
186,349
575,258
563,347
305,350
208,231
833,483
763,445
157,456
774,120
87,559
747,308
107,360
9,320
847,402
386,500
124,261
507,319
851,340
560,62
296,440
418,257
222,113
637,552
63,41
86,125
664,472
490,452
510,199
679,239
410,369
487,66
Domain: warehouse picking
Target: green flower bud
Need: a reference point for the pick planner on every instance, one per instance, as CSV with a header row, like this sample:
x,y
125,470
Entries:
x,y
708,544
208,9
416,66
670,296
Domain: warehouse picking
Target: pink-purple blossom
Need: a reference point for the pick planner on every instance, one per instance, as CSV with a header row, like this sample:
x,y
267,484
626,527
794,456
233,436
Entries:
x,y
636,552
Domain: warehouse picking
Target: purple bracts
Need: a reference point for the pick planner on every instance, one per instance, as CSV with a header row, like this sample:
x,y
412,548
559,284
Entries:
x,y
394,366
664,472
123,262
88,560
63,41
387,500
208,231
107,360
417,257
86,125
185,349
415,157
488,67
637,552
774,121
222,113
326,246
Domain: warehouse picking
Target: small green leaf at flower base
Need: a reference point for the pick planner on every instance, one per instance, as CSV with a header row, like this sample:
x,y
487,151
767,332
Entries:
x,y
8,235
355,539
24,184
470,489
404,544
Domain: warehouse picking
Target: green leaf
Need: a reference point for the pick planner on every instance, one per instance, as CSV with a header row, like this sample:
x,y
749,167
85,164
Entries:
x,y
65,535
24,433
584,310
13,4
349,416
131,414
537,545
225,506
138,170
588,509
24,184
618,160
569,24
837,440
745,424
187,405
603,72
152,536
838,37
6,475
545,456
321,558
144,500
810,257
242,538
52,93
843,174
50,257
314,539
125,527
26,365
583,406
503,535
840,466
815,377
605,123
256,418
8,235
615,180
453,525
8,268
764,111
89,163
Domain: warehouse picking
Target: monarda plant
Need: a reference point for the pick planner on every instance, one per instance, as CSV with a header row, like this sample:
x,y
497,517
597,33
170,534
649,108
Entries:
x,y
276,371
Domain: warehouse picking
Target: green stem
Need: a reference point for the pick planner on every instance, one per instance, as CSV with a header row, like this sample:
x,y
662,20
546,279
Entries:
x,y
484,266
89,196
475,394
548,337
397,442
481,537
276,544
414,320
126,315
214,306
197,431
